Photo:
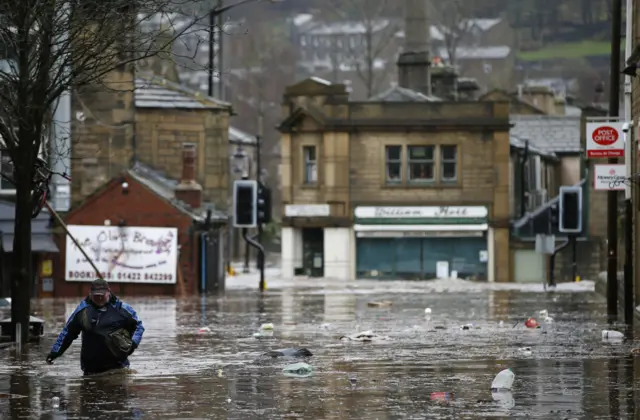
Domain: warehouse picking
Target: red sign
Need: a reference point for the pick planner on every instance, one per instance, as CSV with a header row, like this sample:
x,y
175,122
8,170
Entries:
x,y
612,153
605,136
605,140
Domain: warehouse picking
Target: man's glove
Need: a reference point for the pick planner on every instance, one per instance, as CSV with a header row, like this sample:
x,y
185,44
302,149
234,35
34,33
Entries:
x,y
51,357
133,348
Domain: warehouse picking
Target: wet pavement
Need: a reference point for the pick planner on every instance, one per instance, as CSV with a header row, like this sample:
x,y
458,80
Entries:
x,y
428,367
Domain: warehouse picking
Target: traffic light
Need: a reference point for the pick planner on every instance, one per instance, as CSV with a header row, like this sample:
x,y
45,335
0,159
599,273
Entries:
x,y
264,204
570,210
245,197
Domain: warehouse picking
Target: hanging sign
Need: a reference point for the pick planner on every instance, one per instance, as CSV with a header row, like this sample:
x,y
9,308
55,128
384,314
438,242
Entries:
x,y
605,140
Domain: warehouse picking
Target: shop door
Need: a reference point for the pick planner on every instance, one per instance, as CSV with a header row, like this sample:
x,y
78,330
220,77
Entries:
x,y
313,252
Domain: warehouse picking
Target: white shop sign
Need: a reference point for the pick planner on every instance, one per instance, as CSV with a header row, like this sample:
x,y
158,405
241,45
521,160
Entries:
x,y
609,177
307,210
439,212
605,140
123,254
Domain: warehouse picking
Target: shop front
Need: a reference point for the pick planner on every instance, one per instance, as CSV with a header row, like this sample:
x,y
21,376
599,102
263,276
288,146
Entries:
x,y
421,243
314,244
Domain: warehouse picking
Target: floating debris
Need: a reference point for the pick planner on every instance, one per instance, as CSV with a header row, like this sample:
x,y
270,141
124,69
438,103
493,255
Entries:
x,y
364,336
300,370
609,335
526,351
503,381
382,304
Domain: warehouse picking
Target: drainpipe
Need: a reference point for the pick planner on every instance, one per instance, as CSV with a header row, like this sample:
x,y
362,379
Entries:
x,y
523,159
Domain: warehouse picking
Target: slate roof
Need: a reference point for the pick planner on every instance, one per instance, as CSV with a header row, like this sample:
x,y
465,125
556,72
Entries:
x,y
519,143
157,92
237,136
41,240
550,134
164,187
400,94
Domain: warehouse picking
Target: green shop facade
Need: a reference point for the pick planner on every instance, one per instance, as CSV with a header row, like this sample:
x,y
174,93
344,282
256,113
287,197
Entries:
x,y
419,243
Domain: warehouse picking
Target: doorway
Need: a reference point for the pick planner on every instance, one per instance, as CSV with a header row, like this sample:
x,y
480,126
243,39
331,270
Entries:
x,y
313,252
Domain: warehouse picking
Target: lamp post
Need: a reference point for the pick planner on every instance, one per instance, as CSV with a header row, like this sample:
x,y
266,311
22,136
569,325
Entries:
x,y
217,12
259,134
244,167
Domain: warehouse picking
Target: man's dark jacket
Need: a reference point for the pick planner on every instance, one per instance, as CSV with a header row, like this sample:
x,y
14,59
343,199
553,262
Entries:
x,y
96,325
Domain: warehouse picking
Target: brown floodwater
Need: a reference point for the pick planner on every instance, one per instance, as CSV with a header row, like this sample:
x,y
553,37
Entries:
x,y
428,367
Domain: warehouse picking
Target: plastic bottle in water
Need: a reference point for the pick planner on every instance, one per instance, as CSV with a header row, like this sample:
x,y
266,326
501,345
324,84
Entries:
x,y
612,335
55,402
503,381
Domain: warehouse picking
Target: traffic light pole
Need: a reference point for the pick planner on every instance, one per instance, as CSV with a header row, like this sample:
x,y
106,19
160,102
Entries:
x,y
574,257
260,256
260,248
259,179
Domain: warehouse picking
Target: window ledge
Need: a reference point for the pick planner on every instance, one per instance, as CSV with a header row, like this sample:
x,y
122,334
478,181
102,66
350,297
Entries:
x,y
425,185
309,186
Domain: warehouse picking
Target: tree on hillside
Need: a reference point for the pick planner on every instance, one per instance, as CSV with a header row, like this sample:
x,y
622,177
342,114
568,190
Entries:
x,y
363,41
51,47
454,20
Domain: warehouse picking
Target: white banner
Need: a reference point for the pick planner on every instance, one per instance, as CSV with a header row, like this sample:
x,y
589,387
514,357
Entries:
x,y
605,140
609,177
123,254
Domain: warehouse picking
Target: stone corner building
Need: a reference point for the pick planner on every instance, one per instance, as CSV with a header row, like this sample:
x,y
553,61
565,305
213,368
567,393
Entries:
x,y
405,186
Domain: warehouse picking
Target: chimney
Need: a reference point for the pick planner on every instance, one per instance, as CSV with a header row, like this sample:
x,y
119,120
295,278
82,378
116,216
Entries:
x,y
414,62
188,190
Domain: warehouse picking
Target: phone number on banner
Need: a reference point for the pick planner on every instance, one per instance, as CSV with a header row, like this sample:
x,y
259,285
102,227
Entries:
x,y
90,275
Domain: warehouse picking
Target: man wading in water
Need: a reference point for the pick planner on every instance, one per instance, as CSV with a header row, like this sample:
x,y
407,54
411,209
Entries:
x,y
111,331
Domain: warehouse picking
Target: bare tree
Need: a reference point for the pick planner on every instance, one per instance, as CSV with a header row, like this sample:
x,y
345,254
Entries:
x,y
453,20
367,33
51,47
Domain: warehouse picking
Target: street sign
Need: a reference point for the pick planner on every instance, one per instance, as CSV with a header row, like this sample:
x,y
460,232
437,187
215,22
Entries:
x,y
609,177
605,140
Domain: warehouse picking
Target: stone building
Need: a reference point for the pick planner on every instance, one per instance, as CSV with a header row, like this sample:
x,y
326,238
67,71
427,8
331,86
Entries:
x,y
148,119
406,185
393,189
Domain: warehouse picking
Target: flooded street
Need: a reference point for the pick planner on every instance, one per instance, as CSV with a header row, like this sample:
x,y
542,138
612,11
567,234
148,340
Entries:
x,y
428,367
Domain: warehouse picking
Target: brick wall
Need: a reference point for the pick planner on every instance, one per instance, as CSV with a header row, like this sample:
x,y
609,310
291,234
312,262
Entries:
x,y
140,207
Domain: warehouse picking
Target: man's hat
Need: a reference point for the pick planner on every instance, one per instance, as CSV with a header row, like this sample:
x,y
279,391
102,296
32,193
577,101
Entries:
x,y
99,287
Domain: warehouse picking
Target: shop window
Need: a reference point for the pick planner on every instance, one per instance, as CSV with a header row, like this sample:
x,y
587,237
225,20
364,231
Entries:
x,y
310,165
421,163
449,163
393,164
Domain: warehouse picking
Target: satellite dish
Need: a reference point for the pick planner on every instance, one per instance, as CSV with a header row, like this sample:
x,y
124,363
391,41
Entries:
x,y
80,116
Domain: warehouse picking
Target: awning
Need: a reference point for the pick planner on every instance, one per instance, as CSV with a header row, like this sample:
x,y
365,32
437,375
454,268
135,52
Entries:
x,y
39,243
420,231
